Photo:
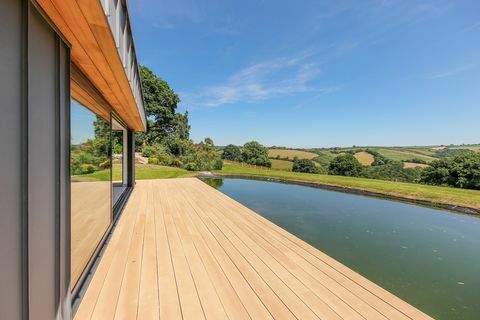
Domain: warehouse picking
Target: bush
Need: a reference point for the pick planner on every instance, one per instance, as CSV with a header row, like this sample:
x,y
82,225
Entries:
x,y
105,164
304,165
345,165
191,166
87,168
393,171
417,160
231,152
256,154
378,158
447,152
177,163
461,171
148,151
153,160
218,165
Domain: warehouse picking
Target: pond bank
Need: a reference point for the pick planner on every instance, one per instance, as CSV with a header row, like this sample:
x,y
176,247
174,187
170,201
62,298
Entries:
x,y
454,208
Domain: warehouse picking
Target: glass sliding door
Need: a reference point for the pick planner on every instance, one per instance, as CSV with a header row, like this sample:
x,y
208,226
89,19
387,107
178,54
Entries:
x,y
91,193
119,160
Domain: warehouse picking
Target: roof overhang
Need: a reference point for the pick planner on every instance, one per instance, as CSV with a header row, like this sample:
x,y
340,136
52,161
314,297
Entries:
x,y
102,48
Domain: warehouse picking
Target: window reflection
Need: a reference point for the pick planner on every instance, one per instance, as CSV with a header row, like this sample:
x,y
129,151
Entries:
x,y
90,187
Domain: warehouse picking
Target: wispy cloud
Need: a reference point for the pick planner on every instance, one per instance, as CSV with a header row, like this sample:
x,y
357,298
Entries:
x,y
471,27
451,72
261,81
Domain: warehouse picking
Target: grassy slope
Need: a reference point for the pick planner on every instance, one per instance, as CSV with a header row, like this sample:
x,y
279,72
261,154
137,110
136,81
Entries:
x,y
324,157
281,165
142,171
475,148
444,195
364,158
402,155
272,153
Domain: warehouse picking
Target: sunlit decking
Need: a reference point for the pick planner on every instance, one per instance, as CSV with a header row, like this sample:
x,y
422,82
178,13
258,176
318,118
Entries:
x,y
183,250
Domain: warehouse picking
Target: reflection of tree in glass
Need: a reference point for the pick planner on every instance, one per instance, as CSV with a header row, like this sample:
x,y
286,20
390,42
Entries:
x,y
93,154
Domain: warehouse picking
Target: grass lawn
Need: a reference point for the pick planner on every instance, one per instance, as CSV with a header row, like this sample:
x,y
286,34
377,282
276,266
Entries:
x,y
142,171
281,165
283,153
443,195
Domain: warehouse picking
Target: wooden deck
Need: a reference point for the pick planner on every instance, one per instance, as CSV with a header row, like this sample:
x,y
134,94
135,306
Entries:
x,y
183,250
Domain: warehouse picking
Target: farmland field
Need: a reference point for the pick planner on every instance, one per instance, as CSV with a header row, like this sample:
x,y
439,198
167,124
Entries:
x,y
281,165
364,158
408,165
402,155
475,148
289,153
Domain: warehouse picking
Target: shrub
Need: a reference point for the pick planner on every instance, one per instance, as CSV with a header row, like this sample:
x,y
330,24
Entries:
x,y
461,171
417,160
218,165
256,154
393,171
153,160
148,151
345,165
105,164
177,163
378,158
87,168
447,152
231,152
304,165
191,166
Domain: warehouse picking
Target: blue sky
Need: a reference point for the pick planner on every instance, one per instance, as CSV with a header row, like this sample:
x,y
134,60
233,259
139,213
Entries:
x,y
318,73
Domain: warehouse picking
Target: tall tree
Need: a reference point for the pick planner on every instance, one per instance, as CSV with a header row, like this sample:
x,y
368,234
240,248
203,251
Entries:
x,y
161,103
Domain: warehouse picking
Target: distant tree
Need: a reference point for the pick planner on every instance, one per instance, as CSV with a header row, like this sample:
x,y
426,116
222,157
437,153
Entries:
x,y
447,152
393,171
256,154
417,160
378,158
345,165
231,152
304,165
461,171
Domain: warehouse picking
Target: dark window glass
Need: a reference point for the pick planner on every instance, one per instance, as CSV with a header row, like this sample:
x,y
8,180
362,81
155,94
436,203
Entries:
x,y
119,171
91,185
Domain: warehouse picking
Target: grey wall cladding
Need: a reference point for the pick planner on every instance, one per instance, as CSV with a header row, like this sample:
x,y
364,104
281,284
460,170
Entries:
x,y
34,166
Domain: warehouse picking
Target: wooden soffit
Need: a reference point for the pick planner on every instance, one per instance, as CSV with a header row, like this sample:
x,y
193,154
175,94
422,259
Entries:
x,y
93,51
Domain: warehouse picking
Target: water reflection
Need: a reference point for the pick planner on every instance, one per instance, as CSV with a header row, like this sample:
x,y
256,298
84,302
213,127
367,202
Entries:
x,y
428,257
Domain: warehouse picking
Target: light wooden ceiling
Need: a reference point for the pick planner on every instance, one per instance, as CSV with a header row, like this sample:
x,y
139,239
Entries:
x,y
93,50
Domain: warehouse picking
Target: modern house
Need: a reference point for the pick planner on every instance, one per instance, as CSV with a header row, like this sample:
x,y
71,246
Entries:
x,y
71,101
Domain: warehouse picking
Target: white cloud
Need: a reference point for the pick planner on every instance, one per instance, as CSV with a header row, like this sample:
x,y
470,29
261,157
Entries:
x,y
261,81
451,72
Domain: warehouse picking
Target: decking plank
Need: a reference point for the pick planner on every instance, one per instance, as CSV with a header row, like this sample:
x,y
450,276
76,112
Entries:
x,y
186,251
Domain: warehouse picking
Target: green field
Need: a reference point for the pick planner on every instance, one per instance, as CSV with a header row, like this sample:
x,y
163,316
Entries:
x,y
281,165
324,157
475,148
400,154
142,171
442,195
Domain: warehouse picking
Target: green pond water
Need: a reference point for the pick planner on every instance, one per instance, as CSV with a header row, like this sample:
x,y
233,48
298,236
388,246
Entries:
x,y
428,257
